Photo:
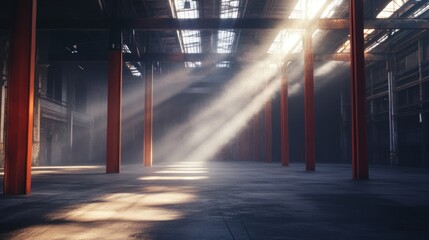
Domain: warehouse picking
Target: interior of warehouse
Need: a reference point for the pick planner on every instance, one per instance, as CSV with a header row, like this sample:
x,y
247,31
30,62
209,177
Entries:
x,y
214,119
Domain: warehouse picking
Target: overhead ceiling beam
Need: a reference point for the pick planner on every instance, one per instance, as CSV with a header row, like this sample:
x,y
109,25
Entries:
x,y
241,23
210,57
163,24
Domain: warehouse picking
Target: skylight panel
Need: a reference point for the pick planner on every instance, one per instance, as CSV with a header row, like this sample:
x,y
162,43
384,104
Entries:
x,y
190,40
387,12
229,8
291,41
225,41
381,40
223,64
226,38
345,48
181,12
193,64
125,48
133,69
420,11
307,9
330,10
391,8
286,41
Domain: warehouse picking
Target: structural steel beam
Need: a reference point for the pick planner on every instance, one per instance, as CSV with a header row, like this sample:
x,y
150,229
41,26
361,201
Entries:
x,y
358,92
284,125
216,57
20,102
240,23
165,24
114,108
209,57
114,98
148,115
310,157
398,23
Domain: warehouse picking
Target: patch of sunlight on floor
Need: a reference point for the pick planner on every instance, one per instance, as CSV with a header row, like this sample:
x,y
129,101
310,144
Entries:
x,y
152,178
188,164
90,231
66,167
152,199
184,168
182,171
182,189
129,207
38,170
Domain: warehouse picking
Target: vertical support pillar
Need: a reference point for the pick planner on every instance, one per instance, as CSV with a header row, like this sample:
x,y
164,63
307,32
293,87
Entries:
x,y
251,139
284,125
20,97
2,120
71,93
358,96
114,97
420,52
268,131
114,112
148,115
310,155
393,133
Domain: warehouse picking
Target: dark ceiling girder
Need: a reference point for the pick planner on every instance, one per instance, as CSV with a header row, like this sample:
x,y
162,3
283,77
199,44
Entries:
x,y
213,57
241,23
216,57
163,24
398,23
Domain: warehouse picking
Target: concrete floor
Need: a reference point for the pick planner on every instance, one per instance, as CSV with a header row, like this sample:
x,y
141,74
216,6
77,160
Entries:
x,y
219,200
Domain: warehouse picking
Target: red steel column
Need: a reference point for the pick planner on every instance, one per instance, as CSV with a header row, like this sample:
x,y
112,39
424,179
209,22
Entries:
x,y
268,132
284,116
310,161
20,98
114,91
148,115
358,94
114,112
